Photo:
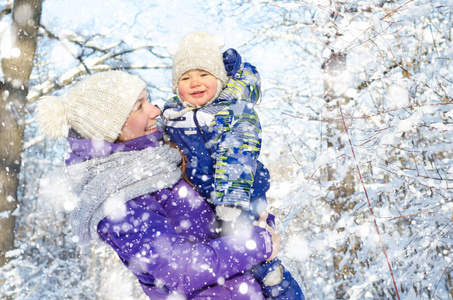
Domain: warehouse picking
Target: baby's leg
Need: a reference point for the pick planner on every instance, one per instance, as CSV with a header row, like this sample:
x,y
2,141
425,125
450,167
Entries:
x,y
275,280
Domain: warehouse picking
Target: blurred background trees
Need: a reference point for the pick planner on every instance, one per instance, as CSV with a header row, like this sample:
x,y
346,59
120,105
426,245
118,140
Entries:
x,y
16,66
357,118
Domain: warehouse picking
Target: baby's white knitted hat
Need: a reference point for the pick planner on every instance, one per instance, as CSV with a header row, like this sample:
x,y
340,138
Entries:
x,y
97,107
199,50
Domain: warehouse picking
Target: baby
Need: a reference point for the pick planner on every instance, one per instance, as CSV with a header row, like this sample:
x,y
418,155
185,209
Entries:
x,y
213,122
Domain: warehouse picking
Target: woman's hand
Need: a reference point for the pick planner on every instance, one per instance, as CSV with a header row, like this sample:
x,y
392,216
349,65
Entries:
x,y
276,238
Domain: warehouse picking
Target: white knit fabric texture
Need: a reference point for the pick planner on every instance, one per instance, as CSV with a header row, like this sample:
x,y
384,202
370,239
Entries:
x,y
104,184
227,213
199,50
97,107
274,277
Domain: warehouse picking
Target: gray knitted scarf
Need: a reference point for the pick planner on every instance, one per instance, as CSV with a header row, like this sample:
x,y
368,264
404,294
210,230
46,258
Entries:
x,y
105,184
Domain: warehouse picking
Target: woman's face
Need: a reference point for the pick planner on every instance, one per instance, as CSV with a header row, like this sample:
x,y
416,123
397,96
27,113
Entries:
x,y
141,121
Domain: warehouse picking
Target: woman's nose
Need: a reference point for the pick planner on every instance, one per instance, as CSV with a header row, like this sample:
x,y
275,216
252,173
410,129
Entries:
x,y
155,111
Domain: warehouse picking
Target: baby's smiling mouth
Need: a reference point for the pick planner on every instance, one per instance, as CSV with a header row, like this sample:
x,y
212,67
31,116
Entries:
x,y
198,93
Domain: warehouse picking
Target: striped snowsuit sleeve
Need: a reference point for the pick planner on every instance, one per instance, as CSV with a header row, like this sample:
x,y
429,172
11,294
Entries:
x,y
237,140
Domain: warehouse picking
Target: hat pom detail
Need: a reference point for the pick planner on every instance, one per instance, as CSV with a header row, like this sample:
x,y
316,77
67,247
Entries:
x,y
172,48
51,117
219,40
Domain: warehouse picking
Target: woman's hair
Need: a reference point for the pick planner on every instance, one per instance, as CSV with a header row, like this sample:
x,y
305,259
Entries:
x,y
182,166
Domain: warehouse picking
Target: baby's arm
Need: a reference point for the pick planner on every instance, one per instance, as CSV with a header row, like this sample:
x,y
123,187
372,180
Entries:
x,y
244,83
237,137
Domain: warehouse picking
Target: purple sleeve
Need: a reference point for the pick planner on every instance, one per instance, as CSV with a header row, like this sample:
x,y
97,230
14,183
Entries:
x,y
154,246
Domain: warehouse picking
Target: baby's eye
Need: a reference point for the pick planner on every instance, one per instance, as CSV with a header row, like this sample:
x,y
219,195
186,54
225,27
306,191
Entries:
x,y
204,74
184,78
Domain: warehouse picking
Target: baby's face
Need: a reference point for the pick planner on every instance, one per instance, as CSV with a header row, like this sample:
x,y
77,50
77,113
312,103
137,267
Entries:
x,y
197,87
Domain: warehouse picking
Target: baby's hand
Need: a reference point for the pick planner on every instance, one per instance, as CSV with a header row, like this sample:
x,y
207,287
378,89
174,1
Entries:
x,y
232,61
276,237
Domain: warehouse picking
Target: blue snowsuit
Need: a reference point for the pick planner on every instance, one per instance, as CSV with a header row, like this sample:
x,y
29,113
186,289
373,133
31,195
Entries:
x,y
222,142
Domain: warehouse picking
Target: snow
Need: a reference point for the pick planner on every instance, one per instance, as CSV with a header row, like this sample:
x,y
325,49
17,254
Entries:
x,y
4,214
243,289
13,253
395,95
6,40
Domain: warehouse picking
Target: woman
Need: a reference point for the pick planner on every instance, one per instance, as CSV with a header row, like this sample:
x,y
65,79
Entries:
x,y
132,196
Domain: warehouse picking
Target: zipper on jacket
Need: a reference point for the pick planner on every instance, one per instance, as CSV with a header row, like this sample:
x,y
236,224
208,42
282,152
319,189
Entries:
x,y
201,131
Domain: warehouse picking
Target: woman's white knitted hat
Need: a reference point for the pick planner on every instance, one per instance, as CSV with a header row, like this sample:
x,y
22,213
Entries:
x,y
97,107
199,50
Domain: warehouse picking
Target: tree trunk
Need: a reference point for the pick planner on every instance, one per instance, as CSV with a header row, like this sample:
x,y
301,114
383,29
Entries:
x,y
344,187
14,88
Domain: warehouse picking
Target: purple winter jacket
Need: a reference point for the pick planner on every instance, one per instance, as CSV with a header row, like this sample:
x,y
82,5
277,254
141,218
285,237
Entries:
x,y
168,239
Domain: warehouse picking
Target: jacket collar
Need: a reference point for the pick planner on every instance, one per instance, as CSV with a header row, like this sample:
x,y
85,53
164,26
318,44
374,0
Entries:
x,y
86,149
